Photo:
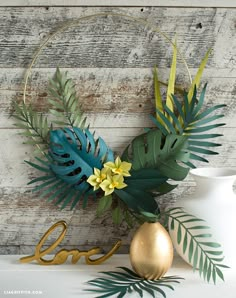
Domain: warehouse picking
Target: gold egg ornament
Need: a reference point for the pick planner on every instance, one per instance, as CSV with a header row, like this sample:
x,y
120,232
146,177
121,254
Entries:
x,y
151,251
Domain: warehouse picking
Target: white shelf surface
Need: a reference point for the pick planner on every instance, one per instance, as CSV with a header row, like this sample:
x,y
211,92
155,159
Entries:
x,y
69,281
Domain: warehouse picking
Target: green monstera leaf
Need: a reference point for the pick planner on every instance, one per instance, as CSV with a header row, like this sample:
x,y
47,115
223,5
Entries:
x,y
73,155
155,159
152,150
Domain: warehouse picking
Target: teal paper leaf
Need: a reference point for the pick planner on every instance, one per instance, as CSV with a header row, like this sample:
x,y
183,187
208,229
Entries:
x,y
73,154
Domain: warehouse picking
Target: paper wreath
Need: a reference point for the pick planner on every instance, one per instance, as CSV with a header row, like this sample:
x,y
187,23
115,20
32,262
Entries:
x,y
75,166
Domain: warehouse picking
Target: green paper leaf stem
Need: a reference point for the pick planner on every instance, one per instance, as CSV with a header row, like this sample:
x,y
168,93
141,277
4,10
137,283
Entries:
x,y
117,215
104,204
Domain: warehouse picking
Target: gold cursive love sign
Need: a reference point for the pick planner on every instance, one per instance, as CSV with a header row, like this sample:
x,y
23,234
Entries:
x,y
61,256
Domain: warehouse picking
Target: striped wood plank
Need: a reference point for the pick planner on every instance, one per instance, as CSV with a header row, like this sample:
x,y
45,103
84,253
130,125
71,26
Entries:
x,y
145,3
116,41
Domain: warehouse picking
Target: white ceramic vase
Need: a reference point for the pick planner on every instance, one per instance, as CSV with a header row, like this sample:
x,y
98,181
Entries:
x,y
215,202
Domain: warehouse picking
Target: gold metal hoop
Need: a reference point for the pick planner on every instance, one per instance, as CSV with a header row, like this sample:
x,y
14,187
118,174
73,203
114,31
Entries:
x,y
78,22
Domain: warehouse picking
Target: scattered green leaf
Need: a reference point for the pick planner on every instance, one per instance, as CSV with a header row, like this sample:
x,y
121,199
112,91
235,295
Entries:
x,y
126,282
197,249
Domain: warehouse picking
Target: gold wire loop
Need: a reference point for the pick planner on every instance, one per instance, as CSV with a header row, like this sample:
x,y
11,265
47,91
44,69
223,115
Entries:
x,y
61,256
78,22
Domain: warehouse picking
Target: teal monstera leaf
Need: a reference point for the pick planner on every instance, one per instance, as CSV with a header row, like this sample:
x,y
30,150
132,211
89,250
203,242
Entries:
x,y
73,155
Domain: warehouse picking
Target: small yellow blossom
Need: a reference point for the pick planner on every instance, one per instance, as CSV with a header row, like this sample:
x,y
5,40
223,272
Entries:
x,y
112,182
119,167
96,179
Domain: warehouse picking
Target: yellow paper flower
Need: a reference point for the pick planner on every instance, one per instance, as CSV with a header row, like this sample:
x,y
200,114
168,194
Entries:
x,y
112,182
119,167
96,179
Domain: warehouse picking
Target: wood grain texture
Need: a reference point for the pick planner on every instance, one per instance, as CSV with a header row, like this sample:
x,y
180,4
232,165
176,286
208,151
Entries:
x,y
116,41
15,173
21,230
111,61
125,95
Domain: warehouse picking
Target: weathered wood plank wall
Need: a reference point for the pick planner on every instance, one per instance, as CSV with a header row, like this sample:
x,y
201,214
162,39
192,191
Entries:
x,y
111,59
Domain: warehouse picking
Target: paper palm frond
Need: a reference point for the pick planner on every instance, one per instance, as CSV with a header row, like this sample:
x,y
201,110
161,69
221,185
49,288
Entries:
x,y
193,123
193,235
127,282
64,101
187,118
